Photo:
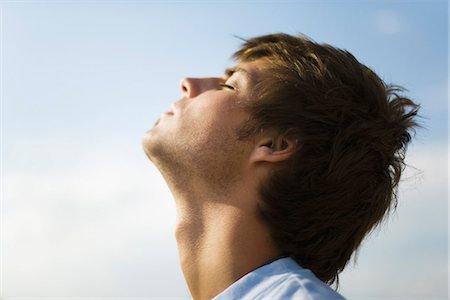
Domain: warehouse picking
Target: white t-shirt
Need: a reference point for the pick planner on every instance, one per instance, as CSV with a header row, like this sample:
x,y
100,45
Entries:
x,y
278,280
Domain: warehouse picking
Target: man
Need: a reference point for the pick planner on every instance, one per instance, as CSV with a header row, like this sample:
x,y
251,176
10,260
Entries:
x,y
280,168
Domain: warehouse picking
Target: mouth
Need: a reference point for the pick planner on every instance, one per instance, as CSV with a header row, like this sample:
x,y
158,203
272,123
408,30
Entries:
x,y
171,112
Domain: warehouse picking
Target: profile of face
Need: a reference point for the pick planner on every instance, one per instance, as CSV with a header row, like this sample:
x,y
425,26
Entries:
x,y
197,138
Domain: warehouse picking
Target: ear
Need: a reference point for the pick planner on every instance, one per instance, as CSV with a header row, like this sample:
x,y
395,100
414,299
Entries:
x,y
275,148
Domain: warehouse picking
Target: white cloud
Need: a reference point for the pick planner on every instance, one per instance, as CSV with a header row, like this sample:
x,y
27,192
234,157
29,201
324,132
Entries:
x,y
389,22
87,219
407,257
95,219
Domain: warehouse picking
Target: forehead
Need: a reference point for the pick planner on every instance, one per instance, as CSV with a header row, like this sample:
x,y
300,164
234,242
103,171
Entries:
x,y
251,71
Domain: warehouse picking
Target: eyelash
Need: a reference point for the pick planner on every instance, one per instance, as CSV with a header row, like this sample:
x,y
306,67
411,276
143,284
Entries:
x,y
226,85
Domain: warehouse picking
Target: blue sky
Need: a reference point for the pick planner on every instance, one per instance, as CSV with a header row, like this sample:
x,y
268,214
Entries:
x,y
86,215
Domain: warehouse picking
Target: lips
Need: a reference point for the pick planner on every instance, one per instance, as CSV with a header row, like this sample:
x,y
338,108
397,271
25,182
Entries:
x,y
171,111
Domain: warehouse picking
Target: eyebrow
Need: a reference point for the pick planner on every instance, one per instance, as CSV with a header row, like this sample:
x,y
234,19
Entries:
x,y
230,71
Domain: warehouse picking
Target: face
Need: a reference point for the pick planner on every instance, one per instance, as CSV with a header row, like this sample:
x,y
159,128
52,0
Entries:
x,y
197,137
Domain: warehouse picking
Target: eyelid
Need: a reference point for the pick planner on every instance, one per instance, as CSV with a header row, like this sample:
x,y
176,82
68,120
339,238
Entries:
x,y
228,73
227,86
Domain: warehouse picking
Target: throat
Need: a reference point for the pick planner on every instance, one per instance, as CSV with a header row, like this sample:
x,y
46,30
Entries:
x,y
202,251
219,245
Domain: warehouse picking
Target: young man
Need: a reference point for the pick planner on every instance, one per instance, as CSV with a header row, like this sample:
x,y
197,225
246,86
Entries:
x,y
280,168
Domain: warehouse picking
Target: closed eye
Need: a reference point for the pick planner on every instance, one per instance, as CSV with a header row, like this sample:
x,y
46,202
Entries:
x,y
226,86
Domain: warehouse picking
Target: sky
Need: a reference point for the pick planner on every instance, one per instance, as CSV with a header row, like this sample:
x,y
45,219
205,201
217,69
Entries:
x,y
85,215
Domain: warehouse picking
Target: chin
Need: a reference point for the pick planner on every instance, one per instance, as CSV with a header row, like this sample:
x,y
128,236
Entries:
x,y
153,144
147,143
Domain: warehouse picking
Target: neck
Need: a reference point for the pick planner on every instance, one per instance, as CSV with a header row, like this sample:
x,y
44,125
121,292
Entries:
x,y
219,241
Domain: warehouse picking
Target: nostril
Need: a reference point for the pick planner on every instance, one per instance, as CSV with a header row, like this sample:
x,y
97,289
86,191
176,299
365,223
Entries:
x,y
183,85
189,87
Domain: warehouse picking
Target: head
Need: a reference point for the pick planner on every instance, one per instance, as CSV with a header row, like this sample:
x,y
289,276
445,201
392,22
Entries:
x,y
195,145
328,134
349,131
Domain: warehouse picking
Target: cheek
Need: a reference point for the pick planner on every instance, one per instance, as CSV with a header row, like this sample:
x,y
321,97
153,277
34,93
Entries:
x,y
209,132
209,122
209,119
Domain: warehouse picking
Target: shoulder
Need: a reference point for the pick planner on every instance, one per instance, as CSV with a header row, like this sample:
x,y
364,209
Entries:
x,y
281,279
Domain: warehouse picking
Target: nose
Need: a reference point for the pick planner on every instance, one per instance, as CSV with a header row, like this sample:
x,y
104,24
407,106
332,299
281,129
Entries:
x,y
192,87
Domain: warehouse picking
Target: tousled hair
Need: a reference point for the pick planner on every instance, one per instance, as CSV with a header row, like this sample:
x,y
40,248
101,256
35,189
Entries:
x,y
352,131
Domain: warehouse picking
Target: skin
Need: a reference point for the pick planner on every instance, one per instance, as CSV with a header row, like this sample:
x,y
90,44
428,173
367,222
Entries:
x,y
214,178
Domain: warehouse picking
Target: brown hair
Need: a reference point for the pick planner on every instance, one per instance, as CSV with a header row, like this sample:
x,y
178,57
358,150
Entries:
x,y
352,130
